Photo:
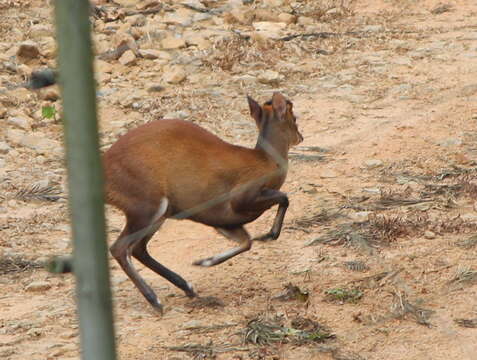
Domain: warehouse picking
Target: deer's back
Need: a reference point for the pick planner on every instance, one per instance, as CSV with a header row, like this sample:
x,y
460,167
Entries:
x,y
178,160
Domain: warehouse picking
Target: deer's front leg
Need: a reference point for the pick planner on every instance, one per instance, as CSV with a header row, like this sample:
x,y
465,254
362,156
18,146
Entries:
x,y
265,199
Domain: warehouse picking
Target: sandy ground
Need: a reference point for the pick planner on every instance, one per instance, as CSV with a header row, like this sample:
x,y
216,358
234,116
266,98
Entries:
x,y
393,112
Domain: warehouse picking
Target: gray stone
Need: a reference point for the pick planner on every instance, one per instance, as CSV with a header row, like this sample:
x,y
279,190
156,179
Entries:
x,y
171,43
429,235
181,114
468,90
174,74
268,29
4,147
373,28
270,77
150,54
38,143
327,174
128,58
450,142
372,163
20,122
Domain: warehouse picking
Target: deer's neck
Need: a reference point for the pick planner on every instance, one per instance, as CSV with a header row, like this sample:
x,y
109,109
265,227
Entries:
x,y
274,145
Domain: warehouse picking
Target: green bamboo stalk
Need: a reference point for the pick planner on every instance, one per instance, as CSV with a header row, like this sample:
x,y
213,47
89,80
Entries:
x,y
85,179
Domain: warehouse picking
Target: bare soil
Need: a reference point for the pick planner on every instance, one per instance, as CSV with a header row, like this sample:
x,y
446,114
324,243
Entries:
x,y
389,163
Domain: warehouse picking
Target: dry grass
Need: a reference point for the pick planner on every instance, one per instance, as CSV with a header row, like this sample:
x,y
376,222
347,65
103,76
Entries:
x,y
323,217
301,332
464,275
9,265
402,307
325,11
39,193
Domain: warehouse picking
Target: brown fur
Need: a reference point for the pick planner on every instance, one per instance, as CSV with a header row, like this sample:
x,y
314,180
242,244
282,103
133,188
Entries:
x,y
176,169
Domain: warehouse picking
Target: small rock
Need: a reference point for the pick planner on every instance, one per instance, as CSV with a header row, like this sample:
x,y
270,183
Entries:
x,y
40,30
373,28
40,144
197,40
429,235
469,217
328,174
14,136
268,29
359,216
171,43
28,50
38,286
270,77
273,3
474,116
181,114
305,20
156,88
174,74
192,324
201,17
50,94
468,90
372,190
249,79
287,18
34,332
150,54
450,142
240,15
128,58
103,66
137,20
3,113
182,17
470,36
373,163
4,147
20,122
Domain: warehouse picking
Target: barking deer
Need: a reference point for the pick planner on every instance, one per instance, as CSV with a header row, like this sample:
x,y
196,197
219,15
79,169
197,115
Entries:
x,y
176,169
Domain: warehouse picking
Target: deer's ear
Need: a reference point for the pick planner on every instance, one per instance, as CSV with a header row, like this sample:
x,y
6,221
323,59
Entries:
x,y
255,110
279,105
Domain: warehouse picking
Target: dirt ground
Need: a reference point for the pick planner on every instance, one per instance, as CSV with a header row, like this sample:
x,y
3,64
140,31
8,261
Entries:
x,y
379,239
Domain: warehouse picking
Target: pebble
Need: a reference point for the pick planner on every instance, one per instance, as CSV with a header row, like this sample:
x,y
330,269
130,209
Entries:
x,y
429,235
38,286
450,142
373,28
171,43
4,147
270,77
174,74
287,18
181,114
373,163
28,50
268,29
468,90
328,174
128,58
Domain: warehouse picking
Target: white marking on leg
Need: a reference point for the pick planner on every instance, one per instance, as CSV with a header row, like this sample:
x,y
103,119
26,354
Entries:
x,y
161,210
220,257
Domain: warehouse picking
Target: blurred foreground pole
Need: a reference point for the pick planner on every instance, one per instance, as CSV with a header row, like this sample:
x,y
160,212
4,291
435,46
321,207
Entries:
x,y
85,179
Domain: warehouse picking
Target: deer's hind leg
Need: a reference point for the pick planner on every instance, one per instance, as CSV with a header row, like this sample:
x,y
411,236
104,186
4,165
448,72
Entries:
x,y
139,229
238,234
